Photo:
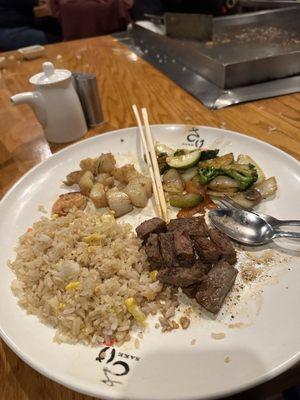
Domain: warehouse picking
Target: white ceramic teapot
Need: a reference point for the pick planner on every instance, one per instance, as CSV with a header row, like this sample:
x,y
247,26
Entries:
x,y
55,104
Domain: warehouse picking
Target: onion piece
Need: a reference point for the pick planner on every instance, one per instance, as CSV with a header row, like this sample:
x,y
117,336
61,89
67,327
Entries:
x,y
161,148
189,174
172,182
267,188
243,201
194,186
218,162
223,183
221,194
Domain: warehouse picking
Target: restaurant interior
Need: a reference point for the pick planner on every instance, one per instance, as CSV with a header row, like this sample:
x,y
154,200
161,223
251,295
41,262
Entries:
x,y
204,74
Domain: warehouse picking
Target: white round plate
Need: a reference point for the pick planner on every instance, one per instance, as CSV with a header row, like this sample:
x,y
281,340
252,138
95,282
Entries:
x,y
182,364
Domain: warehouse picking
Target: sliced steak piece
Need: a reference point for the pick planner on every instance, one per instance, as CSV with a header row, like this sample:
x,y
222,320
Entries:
x,y
206,249
205,268
215,286
153,251
191,290
193,226
179,276
167,250
183,249
153,225
224,245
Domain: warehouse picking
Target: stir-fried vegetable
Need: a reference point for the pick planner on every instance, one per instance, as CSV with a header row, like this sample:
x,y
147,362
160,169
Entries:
x,y
247,199
267,188
245,159
207,174
244,174
191,176
186,200
218,162
172,182
185,160
162,163
223,183
194,186
208,154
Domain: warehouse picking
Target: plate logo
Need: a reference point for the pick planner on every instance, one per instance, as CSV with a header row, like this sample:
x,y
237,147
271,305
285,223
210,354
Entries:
x,y
193,138
113,365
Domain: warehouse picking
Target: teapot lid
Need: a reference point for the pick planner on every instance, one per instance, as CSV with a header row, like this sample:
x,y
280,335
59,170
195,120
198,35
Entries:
x,y
50,75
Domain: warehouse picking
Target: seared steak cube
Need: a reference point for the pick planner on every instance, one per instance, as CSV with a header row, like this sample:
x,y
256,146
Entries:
x,y
193,226
191,290
179,276
224,245
167,249
153,251
153,225
183,249
206,250
204,267
215,286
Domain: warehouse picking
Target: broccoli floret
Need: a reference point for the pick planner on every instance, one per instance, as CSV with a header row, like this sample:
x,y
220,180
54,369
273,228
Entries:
x,y
208,154
207,174
244,174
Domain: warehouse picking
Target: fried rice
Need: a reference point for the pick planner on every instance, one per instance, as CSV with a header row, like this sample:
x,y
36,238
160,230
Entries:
x,y
76,272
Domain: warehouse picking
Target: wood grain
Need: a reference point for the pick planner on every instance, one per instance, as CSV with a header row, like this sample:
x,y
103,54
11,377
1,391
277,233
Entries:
x,y
123,80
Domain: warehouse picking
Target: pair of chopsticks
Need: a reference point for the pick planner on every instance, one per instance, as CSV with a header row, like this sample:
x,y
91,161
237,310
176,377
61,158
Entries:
x,y
151,159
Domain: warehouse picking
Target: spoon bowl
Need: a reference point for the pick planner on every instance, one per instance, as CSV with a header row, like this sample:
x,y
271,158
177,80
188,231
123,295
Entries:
x,y
246,227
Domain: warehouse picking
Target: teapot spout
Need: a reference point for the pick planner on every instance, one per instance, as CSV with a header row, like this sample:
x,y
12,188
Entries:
x,y
37,103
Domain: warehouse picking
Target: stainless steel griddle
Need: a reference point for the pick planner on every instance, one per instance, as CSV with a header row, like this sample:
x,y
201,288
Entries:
x,y
245,49
252,56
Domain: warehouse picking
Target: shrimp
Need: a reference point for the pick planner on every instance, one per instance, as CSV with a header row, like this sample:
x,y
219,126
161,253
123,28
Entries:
x,y
67,201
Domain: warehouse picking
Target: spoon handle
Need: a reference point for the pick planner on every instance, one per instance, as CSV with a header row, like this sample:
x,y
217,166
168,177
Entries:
x,y
281,234
293,222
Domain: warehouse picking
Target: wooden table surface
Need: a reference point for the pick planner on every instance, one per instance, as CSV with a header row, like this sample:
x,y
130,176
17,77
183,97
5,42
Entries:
x,y
123,80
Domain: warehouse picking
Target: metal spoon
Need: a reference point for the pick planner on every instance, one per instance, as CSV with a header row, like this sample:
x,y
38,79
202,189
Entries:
x,y
275,222
246,227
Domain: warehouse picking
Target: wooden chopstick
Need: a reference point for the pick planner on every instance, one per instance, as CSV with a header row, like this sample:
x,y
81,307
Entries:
x,y
149,163
160,189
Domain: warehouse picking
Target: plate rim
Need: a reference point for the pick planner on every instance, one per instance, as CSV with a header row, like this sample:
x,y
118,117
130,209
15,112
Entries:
x,y
83,388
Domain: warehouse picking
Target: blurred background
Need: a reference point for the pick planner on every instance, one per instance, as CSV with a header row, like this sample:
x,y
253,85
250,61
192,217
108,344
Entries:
x,y
30,22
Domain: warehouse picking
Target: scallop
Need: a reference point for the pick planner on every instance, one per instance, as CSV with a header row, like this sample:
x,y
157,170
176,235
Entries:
x,y
119,202
137,193
98,196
